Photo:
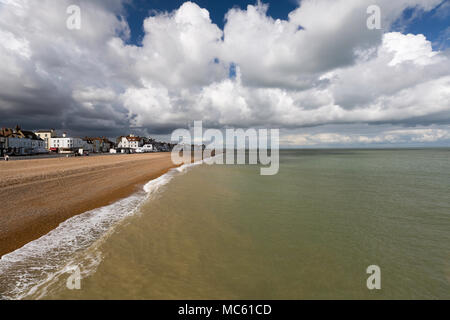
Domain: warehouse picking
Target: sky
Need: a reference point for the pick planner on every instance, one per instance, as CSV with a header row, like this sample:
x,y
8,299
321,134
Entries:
x,y
312,69
137,11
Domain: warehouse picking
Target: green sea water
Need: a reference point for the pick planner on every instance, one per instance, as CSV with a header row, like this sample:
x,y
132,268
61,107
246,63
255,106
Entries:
x,y
310,232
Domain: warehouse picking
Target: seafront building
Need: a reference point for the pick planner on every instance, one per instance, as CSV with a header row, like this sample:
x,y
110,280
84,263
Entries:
x,y
20,142
89,145
107,144
46,135
3,144
130,142
99,145
163,146
66,144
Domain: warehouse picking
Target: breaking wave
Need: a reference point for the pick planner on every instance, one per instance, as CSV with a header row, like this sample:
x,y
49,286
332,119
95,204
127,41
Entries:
x,y
31,271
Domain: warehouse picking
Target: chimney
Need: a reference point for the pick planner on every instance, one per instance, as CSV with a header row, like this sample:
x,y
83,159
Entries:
x,y
64,134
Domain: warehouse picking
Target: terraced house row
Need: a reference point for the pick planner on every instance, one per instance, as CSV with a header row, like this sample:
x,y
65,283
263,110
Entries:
x,y
18,142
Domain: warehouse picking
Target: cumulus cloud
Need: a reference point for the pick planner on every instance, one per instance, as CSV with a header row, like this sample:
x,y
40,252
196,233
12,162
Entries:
x,y
180,48
45,66
320,66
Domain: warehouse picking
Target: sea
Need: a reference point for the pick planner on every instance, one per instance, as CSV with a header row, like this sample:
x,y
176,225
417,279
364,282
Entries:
x,y
226,232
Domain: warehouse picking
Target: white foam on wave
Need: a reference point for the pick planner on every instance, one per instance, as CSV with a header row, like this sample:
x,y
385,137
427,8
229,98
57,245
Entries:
x,y
31,270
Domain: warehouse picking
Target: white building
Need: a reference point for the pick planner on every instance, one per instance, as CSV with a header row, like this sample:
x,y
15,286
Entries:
x,y
65,142
130,142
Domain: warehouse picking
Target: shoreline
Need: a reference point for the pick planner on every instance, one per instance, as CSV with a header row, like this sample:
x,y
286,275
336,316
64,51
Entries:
x,y
39,194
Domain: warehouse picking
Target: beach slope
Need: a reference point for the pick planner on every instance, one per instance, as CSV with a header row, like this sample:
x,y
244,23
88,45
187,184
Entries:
x,y
38,195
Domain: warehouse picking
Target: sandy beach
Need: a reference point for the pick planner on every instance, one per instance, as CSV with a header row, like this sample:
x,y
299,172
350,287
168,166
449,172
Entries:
x,y
38,195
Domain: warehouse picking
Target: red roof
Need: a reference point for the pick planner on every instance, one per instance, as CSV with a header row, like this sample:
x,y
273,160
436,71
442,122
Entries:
x,y
133,138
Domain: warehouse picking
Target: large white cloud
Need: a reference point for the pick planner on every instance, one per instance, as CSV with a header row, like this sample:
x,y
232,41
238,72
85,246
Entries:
x,y
320,66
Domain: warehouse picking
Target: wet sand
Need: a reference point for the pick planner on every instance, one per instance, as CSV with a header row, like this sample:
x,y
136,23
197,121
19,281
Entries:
x,y
38,195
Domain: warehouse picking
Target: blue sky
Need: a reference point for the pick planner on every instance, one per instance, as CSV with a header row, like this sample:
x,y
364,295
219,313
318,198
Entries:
x,y
138,10
435,24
